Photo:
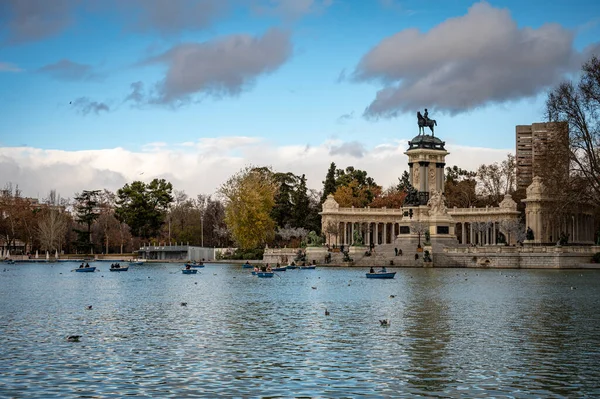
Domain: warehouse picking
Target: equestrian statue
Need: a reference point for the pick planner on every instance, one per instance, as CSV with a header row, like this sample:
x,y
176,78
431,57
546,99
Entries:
x,y
424,121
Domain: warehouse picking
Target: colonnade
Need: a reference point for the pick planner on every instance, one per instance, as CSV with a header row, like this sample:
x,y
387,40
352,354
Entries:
x,y
547,229
478,233
371,232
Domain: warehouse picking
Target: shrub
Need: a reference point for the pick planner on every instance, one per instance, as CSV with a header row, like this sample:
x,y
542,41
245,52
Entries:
x,y
596,258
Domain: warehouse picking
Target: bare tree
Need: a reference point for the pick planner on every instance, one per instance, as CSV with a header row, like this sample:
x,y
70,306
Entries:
x,y
419,228
497,179
578,104
332,228
513,229
52,226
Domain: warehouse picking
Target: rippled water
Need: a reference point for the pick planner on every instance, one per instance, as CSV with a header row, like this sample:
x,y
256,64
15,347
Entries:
x,y
453,333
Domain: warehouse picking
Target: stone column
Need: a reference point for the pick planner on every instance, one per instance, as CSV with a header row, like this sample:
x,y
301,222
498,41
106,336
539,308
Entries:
x,y
440,176
384,241
464,233
376,233
471,241
345,234
410,172
423,177
494,238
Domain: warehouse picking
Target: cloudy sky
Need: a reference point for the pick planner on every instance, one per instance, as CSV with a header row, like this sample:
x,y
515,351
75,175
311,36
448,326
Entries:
x,y
95,94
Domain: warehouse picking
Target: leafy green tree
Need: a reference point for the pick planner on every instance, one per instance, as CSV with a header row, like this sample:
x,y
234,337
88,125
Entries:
x,y
249,200
86,213
144,206
329,185
456,174
301,210
403,182
283,208
460,188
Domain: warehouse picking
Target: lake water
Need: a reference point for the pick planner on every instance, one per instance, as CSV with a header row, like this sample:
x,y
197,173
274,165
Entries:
x,y
454,333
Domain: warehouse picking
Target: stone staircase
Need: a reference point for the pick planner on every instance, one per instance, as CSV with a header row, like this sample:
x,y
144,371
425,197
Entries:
x,y
384,254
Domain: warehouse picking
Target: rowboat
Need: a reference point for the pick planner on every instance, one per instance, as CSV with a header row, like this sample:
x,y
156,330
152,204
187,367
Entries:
x,y
136,263
291,267
265,274
307,267
189,271
279,269
381,275
200,264
86,269
119,269
247,266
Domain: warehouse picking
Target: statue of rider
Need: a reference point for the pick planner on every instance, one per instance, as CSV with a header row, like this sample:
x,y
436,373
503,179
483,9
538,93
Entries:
x,y
426,115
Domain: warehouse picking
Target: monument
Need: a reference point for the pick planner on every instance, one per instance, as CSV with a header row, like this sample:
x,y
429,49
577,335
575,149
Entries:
x,y
425,199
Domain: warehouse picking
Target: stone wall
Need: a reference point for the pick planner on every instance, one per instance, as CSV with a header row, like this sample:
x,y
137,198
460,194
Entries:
x,y
516,257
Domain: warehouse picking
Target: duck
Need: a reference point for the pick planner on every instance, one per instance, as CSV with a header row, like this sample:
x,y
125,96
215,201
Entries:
x,y
183,303
89,307
385,322
73,338
392,296
314,288
327,312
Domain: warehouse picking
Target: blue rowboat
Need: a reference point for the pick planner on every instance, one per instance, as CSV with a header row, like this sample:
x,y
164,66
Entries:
x,y
291,267
247,266
119,269
265,274
86,269
194,264
135,263
189,271
307,267
381,275
279,269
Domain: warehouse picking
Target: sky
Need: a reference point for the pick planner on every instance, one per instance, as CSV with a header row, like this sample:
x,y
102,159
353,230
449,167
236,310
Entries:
x,y
99,93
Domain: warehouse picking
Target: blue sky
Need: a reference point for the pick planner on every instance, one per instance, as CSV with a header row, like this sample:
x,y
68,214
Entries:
x,y
193,90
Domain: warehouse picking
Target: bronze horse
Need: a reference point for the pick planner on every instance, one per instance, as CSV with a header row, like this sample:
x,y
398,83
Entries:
x,y
424,123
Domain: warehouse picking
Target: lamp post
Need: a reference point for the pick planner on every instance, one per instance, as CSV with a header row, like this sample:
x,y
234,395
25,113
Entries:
x,y
202,229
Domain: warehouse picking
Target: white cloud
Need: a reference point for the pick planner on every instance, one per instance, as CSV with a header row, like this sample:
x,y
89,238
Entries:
x,y
203,168
224,66
480,58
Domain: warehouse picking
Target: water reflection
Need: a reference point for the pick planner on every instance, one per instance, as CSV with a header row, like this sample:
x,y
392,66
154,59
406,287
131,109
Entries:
x,y
454,333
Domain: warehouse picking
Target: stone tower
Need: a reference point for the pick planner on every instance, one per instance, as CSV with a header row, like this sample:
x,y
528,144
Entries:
x,y
426,162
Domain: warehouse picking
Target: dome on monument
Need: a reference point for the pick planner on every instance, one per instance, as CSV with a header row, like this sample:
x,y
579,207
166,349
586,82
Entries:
x,y
426,141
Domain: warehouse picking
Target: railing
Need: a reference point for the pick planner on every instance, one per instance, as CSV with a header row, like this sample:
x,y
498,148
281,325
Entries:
x,y
494,209
167,248
486,249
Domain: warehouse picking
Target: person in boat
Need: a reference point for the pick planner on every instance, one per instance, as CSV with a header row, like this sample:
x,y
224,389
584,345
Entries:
x,y
269,268
188,267
371,270
247,262
87,265
256,269
293,263
81,266
383,270
263,268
